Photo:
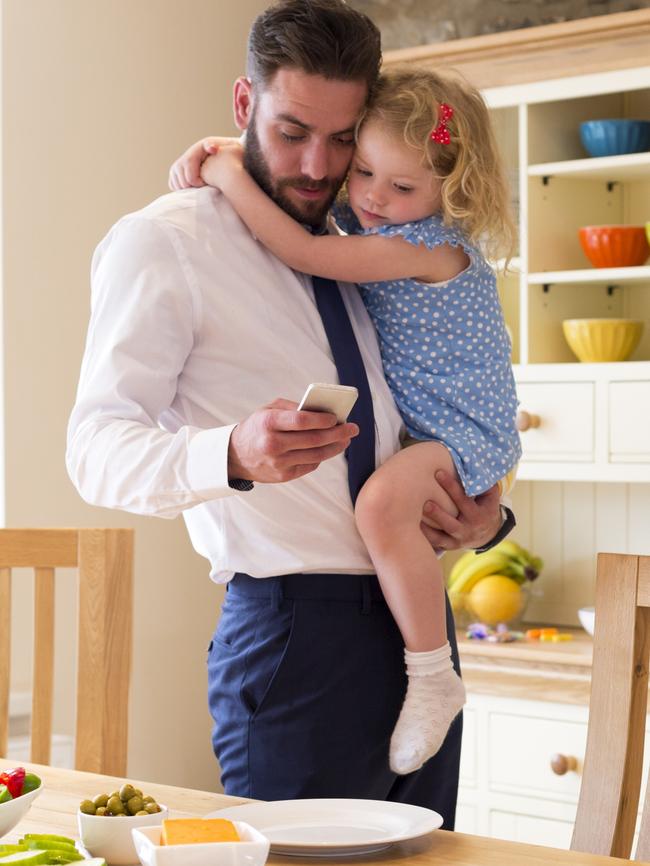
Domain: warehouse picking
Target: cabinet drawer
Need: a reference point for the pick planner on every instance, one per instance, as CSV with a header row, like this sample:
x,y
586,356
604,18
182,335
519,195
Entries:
x,y
566,414
628,422
520,751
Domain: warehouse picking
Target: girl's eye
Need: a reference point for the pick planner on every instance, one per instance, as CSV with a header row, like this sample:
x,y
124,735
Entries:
x,y
363,171
401,188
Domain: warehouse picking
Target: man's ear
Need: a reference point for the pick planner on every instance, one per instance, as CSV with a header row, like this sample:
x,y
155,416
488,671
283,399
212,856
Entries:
x,y
242,102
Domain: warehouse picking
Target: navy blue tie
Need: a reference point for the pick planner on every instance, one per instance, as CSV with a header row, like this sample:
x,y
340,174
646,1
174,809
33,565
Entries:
x,y
349,365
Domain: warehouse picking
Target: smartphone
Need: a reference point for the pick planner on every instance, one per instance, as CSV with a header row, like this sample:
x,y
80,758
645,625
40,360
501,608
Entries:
x,y
337,399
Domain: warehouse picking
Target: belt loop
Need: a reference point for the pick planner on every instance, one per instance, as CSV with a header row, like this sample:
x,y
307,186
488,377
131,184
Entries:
x,y
366,598
277,594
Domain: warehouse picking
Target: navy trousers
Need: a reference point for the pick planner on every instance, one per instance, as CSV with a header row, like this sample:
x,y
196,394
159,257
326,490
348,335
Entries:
x,y
306,680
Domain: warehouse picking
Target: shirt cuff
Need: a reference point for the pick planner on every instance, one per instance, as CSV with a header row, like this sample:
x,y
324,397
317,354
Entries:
x,y
207,463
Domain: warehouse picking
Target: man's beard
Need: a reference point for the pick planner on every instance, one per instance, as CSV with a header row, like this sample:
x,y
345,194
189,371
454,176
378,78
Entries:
x,y
311,213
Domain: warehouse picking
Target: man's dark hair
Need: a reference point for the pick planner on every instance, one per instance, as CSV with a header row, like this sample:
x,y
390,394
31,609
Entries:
x,y
319,37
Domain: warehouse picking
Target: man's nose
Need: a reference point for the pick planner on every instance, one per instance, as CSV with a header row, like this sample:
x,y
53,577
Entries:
x,y
315,161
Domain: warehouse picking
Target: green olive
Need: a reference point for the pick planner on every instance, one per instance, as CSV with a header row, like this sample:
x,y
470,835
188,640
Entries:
x,y
115,805
148,799
101,810
100,800
138,792
151,808
114,794
126,792
87,807
141,812
134,805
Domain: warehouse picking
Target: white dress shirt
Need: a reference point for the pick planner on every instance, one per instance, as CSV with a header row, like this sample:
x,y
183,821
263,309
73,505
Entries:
x,y
194,325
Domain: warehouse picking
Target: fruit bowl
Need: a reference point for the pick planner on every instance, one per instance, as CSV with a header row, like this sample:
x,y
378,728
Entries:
x,y
614,246
602,340
15,810
494,600
614,137
492,587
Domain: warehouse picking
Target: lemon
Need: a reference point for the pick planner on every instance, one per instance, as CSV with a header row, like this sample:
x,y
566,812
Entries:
x,y
495,598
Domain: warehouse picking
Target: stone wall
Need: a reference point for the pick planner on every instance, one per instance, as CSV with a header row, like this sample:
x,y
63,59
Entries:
x,y
405,23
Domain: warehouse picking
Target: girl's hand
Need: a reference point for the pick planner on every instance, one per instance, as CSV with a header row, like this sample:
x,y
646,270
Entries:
x,y
186,171
224,165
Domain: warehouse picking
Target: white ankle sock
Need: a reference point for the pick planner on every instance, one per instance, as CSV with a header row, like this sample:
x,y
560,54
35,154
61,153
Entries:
x,y
434,696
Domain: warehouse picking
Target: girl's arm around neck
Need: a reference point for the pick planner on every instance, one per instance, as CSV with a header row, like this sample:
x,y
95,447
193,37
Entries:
x,y
353,259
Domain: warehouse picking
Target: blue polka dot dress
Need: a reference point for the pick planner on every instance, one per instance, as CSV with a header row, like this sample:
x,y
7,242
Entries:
x,y
446,355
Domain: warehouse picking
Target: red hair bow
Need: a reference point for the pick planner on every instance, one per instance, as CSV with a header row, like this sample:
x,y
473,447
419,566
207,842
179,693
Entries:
x,y
441,133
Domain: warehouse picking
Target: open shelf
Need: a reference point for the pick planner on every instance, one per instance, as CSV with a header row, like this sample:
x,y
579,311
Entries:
x,y
596,276
629,166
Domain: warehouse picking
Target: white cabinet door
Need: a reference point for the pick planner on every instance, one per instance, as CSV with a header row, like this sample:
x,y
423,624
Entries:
x,y
521,746
530,828
629,429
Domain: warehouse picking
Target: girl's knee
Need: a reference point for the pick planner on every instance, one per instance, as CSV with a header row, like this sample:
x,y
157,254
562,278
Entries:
x,y
377,505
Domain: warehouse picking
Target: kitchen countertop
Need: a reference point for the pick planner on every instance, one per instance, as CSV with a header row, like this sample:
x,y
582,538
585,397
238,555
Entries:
x,y
532,670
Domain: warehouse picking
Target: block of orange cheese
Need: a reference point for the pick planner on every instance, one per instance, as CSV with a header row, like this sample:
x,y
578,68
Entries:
x,y
186,831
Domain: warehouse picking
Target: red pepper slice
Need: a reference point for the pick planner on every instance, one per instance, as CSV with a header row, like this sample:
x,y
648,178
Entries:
x,y
15,780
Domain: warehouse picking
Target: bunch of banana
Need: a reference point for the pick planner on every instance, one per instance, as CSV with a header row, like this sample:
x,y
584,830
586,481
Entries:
x,y
506,558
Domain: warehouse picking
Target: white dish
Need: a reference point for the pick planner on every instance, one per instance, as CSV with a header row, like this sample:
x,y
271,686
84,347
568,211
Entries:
x,y
587,617
252,850
110,837
15,810
333,826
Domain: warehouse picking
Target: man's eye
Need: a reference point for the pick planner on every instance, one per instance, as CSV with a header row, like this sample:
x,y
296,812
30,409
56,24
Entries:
x,y
344,140
287,137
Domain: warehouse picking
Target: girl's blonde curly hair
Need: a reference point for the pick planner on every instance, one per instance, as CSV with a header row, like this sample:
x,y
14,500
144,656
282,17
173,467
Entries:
x,y
475,194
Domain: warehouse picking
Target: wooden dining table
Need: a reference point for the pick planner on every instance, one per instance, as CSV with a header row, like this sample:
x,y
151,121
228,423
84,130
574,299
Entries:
x,y
54,811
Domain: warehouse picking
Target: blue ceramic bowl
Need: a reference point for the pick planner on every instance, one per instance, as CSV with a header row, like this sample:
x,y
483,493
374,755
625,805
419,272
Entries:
x,y
613,137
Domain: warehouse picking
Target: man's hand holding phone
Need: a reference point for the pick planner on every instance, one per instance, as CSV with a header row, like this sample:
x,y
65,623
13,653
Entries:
x,y
282,441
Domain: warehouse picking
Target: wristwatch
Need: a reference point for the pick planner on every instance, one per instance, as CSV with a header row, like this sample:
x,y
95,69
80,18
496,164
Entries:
x,y
507,526
241,484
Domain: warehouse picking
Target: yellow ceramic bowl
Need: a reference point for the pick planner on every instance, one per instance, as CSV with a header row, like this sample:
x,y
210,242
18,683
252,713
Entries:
x,y
602,340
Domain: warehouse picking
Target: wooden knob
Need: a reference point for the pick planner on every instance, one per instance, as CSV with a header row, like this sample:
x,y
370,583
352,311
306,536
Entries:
x,y
526,421
561,764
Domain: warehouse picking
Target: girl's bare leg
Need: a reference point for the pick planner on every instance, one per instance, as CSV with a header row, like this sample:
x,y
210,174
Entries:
x,y
388,514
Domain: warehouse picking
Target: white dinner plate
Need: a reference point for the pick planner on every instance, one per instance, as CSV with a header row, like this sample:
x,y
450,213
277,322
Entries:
x,y
333,827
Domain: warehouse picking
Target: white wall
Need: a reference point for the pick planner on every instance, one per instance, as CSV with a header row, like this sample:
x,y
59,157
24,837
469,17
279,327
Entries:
x,y
98,97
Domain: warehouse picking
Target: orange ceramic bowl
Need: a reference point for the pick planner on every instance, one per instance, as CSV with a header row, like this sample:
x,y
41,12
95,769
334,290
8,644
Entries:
x,y
614,246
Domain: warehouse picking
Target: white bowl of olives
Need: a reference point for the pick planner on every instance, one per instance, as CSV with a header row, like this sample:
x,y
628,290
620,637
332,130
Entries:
x,y
105,823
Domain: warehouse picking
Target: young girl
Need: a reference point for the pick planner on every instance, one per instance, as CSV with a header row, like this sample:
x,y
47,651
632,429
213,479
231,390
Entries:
x,y
425,191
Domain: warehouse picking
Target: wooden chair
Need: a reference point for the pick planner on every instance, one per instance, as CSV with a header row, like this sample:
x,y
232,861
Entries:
x,y
609,796
104,559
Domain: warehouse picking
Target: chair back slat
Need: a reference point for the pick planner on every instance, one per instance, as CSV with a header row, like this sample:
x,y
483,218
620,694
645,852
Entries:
x,y
104,665
609,796
5,655
43,679
104,560
38,548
